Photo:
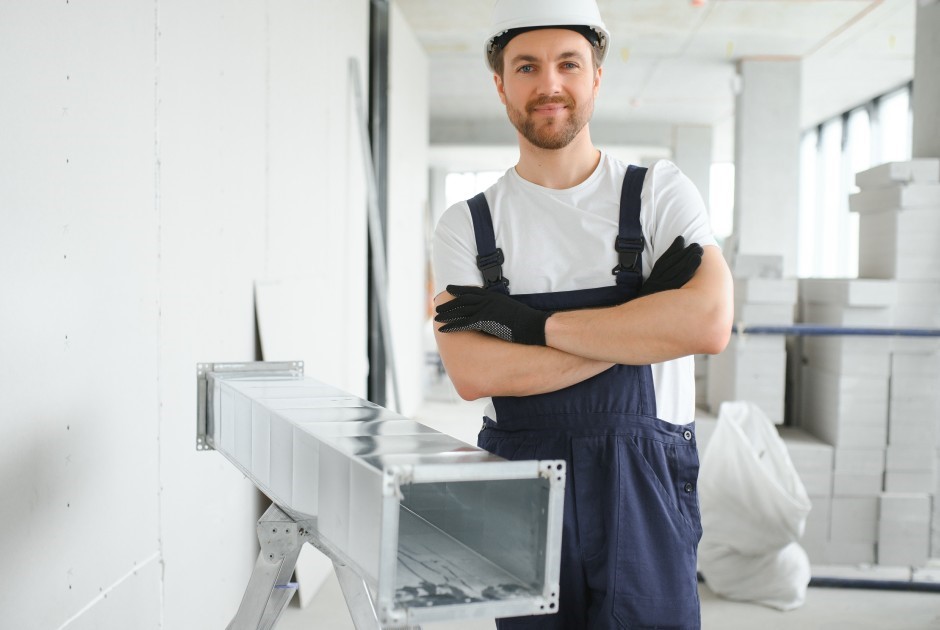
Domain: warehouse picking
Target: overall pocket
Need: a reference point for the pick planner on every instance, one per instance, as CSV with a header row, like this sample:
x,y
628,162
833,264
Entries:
x,y
656,585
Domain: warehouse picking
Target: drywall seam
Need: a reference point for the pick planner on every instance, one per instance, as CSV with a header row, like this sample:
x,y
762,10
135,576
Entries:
x,y
157,209
103,594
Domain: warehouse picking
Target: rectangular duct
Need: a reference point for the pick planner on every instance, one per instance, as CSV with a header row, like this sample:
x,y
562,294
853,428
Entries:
x,y
437,529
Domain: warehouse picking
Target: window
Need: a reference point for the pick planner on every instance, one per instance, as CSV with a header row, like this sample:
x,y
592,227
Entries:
x,y
830,156
895,125
461,186
721,199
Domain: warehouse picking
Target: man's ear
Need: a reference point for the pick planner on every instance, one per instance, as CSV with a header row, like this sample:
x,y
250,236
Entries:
x,y
597,80
500,89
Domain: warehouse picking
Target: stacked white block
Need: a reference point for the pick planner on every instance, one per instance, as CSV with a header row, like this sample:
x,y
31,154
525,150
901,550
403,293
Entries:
x,y
904,529
853,530
918,306
845,394
753,367
876,399
844,379
813,460
856,485
913,434
849,412
899,218
848,301
858,472
913,454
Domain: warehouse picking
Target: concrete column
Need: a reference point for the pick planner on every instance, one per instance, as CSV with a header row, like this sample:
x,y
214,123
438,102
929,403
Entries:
x,y
926,103
767,159
692,153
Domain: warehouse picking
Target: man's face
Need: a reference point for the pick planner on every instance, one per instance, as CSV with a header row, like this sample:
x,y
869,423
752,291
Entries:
x,y
548,85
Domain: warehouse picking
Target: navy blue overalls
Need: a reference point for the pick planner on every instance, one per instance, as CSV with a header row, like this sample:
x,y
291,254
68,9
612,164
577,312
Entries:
x,y
631,517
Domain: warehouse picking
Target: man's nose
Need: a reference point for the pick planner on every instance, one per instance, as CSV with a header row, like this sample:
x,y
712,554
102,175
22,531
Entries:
x,y
549,82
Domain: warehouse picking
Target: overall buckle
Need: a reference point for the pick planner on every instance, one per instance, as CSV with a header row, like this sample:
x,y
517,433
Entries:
x,y
491,266
628,253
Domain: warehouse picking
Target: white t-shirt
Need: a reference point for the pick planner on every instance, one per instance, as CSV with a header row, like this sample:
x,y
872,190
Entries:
x,y
562,240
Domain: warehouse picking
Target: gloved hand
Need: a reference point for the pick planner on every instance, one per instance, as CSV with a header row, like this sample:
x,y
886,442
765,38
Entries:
x,y
499,315
674,268
494,313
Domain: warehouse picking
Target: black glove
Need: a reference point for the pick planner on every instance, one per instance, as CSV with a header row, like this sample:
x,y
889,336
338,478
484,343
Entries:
x,y
494,313
674,268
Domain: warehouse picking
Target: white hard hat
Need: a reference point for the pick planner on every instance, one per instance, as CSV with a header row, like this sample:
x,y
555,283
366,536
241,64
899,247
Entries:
x,y
528,14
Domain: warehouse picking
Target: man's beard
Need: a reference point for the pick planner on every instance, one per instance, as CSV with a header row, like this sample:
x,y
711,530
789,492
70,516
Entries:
x,y
549,133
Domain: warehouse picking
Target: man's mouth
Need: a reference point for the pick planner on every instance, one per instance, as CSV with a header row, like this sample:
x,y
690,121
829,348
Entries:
x,y
548,108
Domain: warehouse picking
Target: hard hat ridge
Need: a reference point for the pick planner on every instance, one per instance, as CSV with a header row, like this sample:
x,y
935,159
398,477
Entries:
x,y
512,17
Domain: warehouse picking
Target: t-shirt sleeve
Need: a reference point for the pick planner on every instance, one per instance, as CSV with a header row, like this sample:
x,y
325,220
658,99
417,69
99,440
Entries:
x,y
454,250
678,209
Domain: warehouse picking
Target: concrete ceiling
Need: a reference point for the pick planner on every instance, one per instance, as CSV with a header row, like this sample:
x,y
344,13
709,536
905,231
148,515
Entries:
x,y
672,62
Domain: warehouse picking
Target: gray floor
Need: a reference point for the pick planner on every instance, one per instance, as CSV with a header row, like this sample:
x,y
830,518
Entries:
x,y
836,609
832,609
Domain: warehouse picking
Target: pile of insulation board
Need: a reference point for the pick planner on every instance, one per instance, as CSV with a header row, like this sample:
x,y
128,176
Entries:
x,y
754,367
870,406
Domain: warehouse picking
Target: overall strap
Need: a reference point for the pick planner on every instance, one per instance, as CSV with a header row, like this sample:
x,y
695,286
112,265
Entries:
x,y
489,257
630,241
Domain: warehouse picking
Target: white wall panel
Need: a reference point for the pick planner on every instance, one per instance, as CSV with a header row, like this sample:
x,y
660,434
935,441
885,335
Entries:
x,y
156,158
211,124
408,174
78,279
316,198
243,172
133,602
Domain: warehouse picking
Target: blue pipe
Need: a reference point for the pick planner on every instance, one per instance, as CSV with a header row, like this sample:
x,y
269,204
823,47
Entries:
x,y
818,330
878,585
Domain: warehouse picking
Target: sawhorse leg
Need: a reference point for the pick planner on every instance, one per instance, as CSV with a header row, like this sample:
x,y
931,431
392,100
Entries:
x,y
270,589
359,600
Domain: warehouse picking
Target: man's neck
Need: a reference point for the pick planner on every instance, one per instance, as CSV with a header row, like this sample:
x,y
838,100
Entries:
x,y
558,168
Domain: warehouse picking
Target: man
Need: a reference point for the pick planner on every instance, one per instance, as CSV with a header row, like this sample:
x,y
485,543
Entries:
x,y
563,346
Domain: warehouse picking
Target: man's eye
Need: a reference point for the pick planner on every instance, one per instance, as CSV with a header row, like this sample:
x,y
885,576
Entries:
x,y
526,69
570,66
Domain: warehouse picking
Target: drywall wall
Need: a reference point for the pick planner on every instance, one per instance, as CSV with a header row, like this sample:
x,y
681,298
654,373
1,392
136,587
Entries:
x,y
79,254
407,206
156,159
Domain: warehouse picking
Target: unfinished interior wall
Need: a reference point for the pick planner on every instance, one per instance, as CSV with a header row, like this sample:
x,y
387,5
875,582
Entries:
x,y
156,159
407,205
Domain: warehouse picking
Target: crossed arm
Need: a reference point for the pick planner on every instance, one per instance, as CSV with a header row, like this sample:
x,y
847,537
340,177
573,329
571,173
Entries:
x,y
694,319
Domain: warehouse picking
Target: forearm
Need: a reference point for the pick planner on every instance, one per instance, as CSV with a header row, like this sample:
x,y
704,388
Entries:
x,y
480,365
695,319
